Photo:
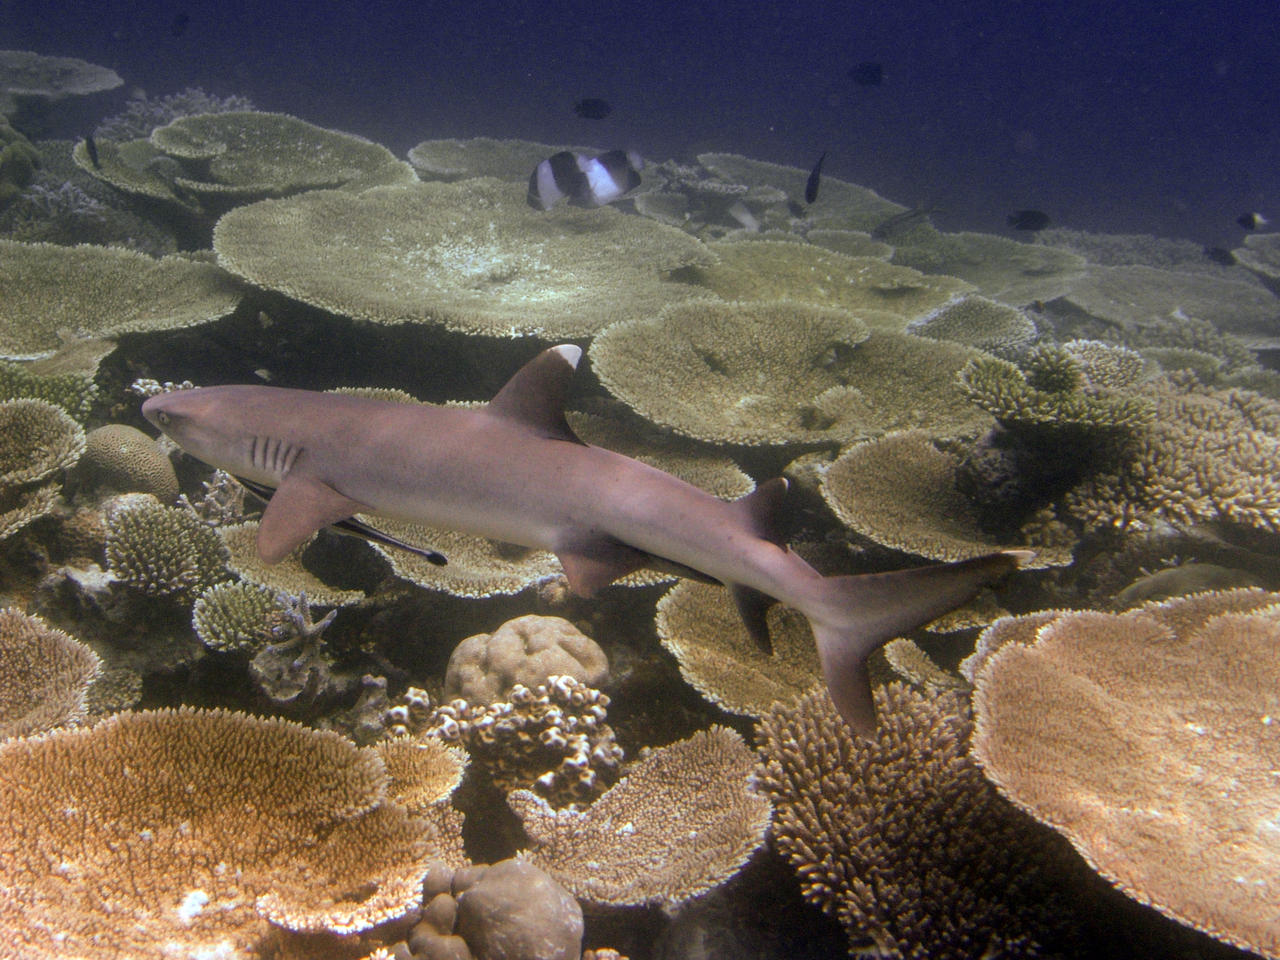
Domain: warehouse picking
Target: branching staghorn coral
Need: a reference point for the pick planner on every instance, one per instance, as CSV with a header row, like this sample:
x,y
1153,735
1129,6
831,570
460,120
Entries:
x,y
901,839
163,551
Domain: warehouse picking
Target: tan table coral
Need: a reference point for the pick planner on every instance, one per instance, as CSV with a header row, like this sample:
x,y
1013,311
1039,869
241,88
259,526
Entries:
x,y
1003,269
453,159
1151,740
900,491
101,291
682,821
722,372
471,256
699,625
44,675
527,650
171,831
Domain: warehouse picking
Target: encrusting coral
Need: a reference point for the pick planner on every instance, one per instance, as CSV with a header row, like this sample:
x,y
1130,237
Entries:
x,y
1149,740
682,820
471,256
527,650
718,372
900,838
44,675
162,551
188,830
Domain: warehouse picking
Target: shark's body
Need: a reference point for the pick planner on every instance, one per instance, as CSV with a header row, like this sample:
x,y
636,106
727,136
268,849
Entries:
x,y
514,471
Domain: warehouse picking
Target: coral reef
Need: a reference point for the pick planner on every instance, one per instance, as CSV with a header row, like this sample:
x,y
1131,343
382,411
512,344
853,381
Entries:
x,y
684,819
698,368
101,291
901,839
698,624
73,392
1146,739
978,322
119,458
162,551
143,114
1003,269
526,651
471,256
552,737
197,828
482,157
44,675
37,440
235,616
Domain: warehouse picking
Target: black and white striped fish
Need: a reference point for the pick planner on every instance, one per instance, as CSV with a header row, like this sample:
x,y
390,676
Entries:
x,y
583,180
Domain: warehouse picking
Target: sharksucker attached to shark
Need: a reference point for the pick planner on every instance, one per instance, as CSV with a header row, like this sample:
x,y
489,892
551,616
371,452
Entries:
x,y
514,471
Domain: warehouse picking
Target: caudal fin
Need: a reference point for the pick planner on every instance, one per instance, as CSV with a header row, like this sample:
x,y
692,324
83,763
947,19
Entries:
x,y
860,613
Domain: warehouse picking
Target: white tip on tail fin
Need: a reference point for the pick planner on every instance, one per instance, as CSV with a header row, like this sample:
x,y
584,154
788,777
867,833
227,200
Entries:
x,y
861,613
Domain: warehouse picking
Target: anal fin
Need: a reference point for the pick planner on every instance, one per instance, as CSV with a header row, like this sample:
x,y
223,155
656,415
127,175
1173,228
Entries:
x,y
592,563
753,606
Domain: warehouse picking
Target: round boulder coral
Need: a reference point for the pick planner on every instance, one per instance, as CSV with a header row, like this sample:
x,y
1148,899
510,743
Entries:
x,y
123,459
527,650
514,911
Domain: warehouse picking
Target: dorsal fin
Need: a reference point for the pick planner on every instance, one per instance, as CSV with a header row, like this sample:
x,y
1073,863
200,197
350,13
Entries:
x,y
760,510
535,395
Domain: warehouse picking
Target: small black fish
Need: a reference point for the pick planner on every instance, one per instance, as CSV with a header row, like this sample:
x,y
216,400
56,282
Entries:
x,y
592,108
178,26
92,149
868,73
1220,255
1252,221
1028,220
900,224
811,185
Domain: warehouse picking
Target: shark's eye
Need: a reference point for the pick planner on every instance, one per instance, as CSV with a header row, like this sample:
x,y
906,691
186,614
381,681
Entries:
x,y
163,418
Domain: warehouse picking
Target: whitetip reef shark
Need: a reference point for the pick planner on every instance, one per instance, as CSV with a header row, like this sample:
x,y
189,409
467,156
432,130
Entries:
x,y
513,470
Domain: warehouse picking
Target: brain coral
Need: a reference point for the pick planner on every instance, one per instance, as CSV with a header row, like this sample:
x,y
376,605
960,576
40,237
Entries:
x,y
44,675
183,831
471,256
900,838
720,372
681,821
1149,739
123,459
101,291
527,650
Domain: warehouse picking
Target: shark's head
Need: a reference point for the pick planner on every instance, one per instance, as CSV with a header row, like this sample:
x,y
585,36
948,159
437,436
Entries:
x,y
203,423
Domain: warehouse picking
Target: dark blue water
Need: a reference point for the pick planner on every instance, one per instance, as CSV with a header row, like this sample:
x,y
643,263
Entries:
x,y
1124,117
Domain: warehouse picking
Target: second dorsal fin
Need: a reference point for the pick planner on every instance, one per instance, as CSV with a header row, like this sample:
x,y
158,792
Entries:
x,y
535,395
760,509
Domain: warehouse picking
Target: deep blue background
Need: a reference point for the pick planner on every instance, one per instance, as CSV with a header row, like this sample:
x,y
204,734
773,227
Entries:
x,y
1138,116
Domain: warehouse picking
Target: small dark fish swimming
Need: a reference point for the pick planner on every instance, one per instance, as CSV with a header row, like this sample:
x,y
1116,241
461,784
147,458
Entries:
x,y
868,73
1252,221
178,26
1028,219
592,108
585,181
1220,255
91,148
811,185
901,224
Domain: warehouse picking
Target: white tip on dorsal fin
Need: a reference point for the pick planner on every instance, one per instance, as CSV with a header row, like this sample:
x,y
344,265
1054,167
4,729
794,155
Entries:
x,y
570,352
535,395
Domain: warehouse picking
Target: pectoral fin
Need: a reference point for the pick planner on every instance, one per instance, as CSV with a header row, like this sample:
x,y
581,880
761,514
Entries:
x,y
300,507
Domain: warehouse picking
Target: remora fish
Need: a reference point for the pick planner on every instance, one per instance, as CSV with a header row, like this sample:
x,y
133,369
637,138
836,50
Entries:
x,y
514,471
586,181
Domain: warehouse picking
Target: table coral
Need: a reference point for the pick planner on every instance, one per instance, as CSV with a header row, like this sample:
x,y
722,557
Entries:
x,y
44,675
1149,739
